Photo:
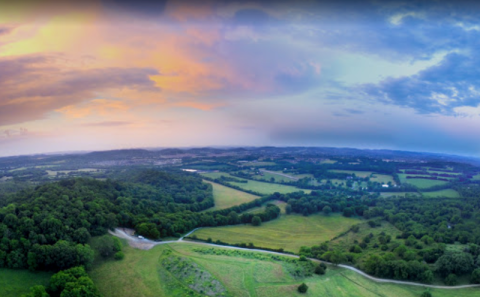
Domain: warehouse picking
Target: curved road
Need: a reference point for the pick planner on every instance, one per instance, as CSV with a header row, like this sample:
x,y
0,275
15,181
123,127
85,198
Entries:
x,y
122,234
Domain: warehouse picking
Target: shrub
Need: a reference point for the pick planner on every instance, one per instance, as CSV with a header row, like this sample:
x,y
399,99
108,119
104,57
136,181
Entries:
x,y
303,288
319,270
426,294
451,279
119,256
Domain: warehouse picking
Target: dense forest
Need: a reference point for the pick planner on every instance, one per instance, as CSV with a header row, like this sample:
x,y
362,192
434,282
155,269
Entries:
x,y
47,228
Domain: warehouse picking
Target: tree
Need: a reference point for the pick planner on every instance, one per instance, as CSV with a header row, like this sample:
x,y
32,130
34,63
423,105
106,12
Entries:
x,y
426,294
327,210
288,209
256,221
454,262
303,288
106,246
37,291
451,279
319,270
475,279
148,230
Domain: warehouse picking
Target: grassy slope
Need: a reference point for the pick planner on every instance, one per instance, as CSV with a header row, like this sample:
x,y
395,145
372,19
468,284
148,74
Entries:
x,y
357,173
268,188
382,178
226,197
260,187
14,283
449,193
289,232
138,275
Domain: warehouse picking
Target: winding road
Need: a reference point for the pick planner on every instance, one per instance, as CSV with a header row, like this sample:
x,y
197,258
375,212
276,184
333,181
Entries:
x,y
148,244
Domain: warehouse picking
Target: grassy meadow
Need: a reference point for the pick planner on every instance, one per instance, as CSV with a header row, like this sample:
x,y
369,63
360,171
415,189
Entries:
x,y
357,173
448,193
258,186
289,232
245,274
226,197
382,178
14,282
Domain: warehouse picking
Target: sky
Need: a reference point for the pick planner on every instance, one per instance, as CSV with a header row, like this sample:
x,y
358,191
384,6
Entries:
x,y
114,74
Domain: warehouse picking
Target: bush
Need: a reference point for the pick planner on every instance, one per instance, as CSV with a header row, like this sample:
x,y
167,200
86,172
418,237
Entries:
x,y
119,256
426,294
451,280
475,279
303,288
319,270
302,258
256,221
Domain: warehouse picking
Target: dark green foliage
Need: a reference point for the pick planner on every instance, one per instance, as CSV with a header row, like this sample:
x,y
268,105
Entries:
x,y
256,221
475,279
72,282
451,280
454,262
119,256
327,210
148,230
37,291
426,294
319,270
303,288
107,246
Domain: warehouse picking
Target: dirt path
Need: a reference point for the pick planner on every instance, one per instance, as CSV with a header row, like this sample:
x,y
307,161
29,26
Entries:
x,y
146,244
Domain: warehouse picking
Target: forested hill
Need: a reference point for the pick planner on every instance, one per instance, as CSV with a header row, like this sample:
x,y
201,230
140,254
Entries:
x,y
48,227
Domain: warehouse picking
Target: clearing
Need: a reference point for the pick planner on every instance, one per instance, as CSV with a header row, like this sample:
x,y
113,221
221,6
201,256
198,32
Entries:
x,y
226,197
289,232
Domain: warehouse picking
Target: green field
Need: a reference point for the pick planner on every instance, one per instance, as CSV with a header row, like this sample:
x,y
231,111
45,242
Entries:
x,y
289,232
14,283
258,164
242,274
357,173
258,186
268,188
448,193
422,183
390,194
226,197
216,174
476,177
382,178
277,178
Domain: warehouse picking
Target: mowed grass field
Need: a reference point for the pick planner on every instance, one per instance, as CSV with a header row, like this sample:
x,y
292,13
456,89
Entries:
x,y
139,274
390,194
448,193
421,183
258,186
268,188
226,197
382,178
357,173
14,282
289,232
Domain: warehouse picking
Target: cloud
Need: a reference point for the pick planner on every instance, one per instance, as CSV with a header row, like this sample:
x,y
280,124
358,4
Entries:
x,y
107,124
34,85
439,89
